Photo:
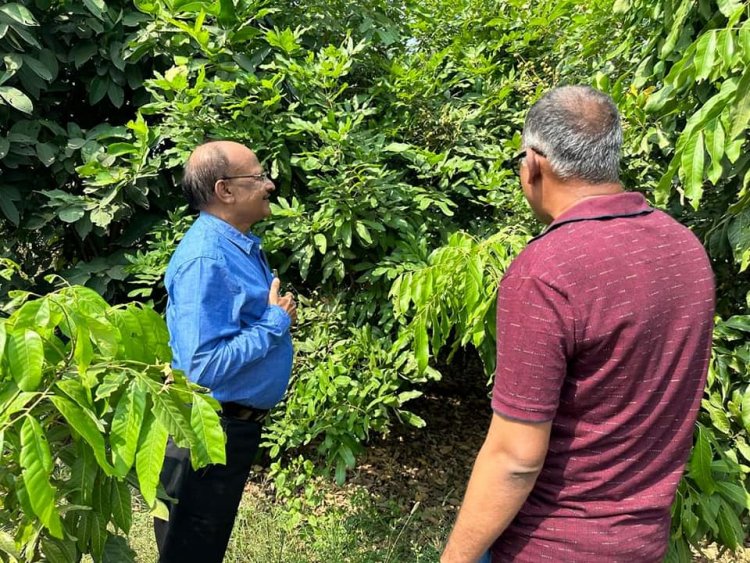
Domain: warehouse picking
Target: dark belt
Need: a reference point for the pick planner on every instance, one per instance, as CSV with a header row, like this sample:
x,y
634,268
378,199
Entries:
x,y
241,412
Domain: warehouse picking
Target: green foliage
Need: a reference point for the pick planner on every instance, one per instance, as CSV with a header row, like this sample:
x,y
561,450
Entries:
x,y
348,383
453,297
713,501
387,127
65,79
87,399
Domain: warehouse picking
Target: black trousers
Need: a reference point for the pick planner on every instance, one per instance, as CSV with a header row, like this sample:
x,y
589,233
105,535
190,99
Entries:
x,y
200,523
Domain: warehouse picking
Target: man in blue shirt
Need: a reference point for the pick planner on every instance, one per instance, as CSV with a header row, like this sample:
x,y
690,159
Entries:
x,y
229,331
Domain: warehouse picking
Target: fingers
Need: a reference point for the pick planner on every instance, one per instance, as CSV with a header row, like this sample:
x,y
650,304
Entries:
x,y
273,293
289,305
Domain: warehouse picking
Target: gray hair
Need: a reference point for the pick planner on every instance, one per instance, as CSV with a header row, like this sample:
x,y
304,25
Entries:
x,y
578,130
207,164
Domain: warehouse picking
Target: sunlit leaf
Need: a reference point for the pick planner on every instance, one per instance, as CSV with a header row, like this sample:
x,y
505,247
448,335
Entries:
x,y
36,462
150,456
26,358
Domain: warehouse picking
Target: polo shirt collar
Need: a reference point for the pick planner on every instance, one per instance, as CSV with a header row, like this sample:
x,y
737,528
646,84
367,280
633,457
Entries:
x,y
624,204
245,241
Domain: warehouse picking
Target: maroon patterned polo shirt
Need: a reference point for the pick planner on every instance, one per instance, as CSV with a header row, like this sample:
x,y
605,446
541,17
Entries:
x,y
604,327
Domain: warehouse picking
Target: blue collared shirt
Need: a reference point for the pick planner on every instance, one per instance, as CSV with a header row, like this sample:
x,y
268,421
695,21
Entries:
x,y
223,333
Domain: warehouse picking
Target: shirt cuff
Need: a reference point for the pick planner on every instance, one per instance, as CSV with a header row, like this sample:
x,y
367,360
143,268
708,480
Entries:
x,y
279,318
522,414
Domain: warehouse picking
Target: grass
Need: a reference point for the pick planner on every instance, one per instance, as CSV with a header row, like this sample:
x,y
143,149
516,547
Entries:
x,y
364,531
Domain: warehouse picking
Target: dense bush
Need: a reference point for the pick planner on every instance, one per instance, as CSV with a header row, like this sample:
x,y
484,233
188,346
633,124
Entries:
x,y
387,127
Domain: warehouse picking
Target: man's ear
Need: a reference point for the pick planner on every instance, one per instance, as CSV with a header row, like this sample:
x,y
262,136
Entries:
x,y
533,166
223,191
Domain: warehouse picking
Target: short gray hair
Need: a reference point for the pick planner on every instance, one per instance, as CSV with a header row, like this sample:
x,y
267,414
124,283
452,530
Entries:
x,y
207,164
578,130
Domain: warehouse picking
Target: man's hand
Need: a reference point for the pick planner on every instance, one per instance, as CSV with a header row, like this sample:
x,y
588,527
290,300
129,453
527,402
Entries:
x,y
286,302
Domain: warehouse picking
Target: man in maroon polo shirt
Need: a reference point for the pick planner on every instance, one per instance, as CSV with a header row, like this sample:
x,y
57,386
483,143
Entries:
x,y
603,339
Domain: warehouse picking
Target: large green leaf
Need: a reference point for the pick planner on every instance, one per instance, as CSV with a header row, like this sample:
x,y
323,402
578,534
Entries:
x,y
96,7
116,550
84,474
59,551
700,462
730,528
15,98
120,501
19,13
39,68
8,545
126,427
705,54
26,358
173,414
76,391
728,7
150,456
715,142
421,343
741,110
84,423
36,462
693,158
207,426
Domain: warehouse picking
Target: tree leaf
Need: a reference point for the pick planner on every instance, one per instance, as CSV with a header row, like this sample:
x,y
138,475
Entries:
x,y
84,474
746,409
39,68
82,52
413,419
421,344
17,99
126,427
122,511
10,210
98,89
150,457
46,152
700,463
705,55
741,109
26,358
363,233
208,431
8,545
83,423
320,242
734,493
116,96
19,13
117,550
730,528
728,7
715,142
693,158
173,415
36,461
97,7
59,551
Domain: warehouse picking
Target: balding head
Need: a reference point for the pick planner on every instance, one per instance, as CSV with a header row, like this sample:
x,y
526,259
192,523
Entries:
x,y
207,164
578,129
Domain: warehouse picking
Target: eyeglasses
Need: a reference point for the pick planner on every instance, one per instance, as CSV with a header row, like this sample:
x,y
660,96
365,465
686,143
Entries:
x,y
522,154
262,176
